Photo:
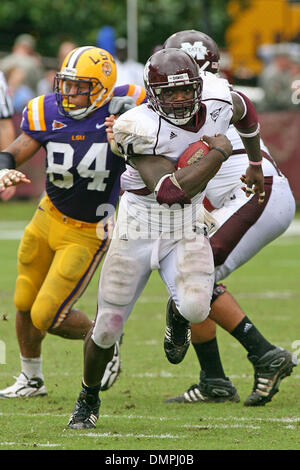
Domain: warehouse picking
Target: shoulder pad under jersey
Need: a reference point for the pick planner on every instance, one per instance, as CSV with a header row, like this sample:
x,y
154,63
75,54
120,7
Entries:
x,y
135,131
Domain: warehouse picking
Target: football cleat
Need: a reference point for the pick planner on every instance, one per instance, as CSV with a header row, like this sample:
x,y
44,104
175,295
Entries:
x,y
269,370
208,390
24,387
177,335
113,369
85,413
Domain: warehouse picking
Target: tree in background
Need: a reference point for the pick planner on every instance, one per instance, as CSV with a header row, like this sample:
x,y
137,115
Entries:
x,y
52,21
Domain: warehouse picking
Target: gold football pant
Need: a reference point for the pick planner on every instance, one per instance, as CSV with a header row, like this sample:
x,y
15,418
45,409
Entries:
x,y
57,258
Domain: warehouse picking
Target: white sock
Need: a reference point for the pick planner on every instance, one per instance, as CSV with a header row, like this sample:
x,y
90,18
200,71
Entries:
x,y
32,367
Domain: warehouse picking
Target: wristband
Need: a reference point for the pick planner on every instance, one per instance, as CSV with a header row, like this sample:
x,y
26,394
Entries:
x,y
158,185
221,151
255,163
7,161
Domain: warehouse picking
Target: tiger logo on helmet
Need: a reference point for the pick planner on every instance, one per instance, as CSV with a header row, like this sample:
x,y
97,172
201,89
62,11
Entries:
x,y
87,66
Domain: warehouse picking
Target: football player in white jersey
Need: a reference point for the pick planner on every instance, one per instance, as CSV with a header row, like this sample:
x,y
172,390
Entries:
x,y
245,227
162,223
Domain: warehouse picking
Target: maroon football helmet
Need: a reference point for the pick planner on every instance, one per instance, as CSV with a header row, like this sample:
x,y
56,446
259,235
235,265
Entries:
x,y
170,68
200,46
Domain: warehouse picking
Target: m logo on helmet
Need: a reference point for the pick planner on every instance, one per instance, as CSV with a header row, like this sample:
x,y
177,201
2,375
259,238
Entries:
x,y
198,50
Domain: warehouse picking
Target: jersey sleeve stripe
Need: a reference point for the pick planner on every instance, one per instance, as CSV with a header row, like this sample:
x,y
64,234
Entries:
x,y
137,93
41,113
131,89
36,118
29,116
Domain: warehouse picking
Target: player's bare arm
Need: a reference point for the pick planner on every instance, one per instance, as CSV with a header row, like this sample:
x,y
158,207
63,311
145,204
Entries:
x,y
13,156
156,170
23,148
7,132
245,119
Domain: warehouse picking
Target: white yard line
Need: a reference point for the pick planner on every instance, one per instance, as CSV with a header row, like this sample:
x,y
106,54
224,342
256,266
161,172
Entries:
x,y
243,419
13,230
128,435
34,444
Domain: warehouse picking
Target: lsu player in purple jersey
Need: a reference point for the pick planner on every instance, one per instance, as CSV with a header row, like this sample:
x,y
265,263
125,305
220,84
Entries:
x,y
245,227
69,232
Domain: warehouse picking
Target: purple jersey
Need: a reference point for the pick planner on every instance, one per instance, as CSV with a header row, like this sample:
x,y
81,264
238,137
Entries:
x,y
82,172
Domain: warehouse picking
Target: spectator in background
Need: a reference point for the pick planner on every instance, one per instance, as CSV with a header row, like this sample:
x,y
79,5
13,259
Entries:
x,y
295,86
106,39
25,58
276,79
20,92
63,51
45,85
128,70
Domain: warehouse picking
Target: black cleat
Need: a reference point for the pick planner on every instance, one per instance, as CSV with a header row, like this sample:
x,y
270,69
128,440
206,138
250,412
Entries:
x,y
269,370
177,335
208,390
85,414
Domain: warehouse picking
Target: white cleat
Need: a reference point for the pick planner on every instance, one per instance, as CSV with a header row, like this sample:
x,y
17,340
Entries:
x,y
113,369
24,387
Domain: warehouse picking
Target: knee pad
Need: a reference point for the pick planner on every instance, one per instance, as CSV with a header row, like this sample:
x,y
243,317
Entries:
x,y
25,293
29,247
108,328
195,304
74,262
119,279
43,311
195,278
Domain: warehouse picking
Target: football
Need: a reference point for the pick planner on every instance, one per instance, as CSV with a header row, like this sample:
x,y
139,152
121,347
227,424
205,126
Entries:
x,y
195,152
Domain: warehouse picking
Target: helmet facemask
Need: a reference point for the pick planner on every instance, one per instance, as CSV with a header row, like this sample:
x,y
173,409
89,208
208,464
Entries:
x,y
89,72
94,94
171,70
177,112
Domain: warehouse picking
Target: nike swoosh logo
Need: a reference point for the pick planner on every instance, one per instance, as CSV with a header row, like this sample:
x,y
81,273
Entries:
x,y
98,126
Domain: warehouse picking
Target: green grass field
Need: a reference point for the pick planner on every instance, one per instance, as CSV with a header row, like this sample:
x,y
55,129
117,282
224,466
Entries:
x,y
133,413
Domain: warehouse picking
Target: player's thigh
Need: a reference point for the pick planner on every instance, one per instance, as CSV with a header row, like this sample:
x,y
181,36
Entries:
x,y
34,260
124,274
188,272
70,272
252,227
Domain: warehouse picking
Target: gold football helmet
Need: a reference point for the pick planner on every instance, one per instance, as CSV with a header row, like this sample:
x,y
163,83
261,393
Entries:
x,y
91,69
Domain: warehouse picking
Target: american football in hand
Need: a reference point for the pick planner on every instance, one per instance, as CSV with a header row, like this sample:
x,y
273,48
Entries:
x,y
195,152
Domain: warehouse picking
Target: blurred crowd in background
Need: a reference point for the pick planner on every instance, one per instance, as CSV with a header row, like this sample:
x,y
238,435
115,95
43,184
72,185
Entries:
x,y
28,74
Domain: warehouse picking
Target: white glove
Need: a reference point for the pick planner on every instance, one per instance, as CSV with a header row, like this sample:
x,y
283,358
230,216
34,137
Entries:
x,y
121,104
